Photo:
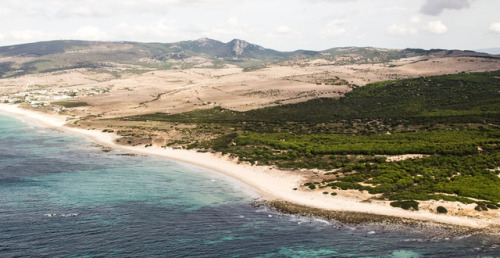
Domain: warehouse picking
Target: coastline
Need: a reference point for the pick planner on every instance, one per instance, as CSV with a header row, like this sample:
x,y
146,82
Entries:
x,y
271,184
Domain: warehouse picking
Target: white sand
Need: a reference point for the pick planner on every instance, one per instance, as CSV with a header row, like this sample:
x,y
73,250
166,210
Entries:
x,y
270,183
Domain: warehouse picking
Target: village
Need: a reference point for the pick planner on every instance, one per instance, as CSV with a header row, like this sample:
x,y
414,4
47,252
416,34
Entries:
x,y
44,98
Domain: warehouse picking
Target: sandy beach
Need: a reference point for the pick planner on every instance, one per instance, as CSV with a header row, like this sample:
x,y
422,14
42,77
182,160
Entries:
x,y
271,183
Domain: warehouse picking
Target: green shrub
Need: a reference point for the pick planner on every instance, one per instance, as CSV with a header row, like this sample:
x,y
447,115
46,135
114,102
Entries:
x,y
491,206
406,204
481,207
70,104
441,209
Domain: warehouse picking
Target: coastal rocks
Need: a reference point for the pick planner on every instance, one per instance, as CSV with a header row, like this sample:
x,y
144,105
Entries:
x,y
440,231
67,215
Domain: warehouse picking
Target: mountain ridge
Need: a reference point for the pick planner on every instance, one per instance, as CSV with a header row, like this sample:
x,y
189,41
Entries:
x,y
49,56
238,47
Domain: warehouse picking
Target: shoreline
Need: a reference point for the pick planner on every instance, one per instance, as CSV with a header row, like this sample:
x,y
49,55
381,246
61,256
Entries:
x,y
270,183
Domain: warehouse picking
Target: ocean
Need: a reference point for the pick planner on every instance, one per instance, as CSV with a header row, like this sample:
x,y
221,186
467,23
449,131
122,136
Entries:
x,y
63,196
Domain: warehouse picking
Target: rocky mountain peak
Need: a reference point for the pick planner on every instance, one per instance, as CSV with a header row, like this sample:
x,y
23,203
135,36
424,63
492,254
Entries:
x,y
203,42
238,46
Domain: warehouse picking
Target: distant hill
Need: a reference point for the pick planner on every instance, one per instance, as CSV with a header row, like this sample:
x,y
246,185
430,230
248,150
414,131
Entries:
x,y
42,48
492,51
235,49
60,55
443,53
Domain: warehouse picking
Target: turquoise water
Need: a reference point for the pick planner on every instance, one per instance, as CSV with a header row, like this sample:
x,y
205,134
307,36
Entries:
x,y
62,196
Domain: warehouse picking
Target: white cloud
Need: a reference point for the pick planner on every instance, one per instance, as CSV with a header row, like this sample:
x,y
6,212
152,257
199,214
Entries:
x,y
308,24
495,27
231,29
136,3
105,8
146,31
84,12
329,1
435,7
27,35
90,33
337,22
233,21
412,29
415,19
164,30
283,29
81,11
5,11
163,6
284,32
402,29
436,27
334,29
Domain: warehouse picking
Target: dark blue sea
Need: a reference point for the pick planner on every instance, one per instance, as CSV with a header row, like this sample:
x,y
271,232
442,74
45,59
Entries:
x,y
63,196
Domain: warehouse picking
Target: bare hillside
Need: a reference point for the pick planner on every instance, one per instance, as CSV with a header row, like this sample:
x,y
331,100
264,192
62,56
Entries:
x,y
125,78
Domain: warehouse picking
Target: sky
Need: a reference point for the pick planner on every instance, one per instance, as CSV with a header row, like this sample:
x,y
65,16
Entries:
x,y
284,25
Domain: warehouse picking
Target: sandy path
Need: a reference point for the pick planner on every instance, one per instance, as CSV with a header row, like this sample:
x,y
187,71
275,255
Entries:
x,y
270,183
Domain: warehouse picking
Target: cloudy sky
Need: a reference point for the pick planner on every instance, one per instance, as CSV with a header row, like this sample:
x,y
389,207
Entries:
x,y
278,24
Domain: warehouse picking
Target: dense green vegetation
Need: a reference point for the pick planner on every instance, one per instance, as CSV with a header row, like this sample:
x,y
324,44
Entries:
x,y
70,104
452,119
5,67
405,205
462,165
436,177
433,142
